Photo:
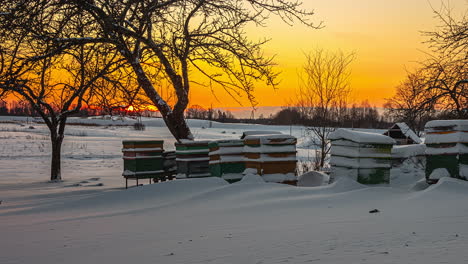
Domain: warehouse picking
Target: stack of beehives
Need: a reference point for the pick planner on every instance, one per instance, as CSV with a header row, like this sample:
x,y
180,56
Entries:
x,y
365,157
192,159
271,156
227,159
143,159
446,149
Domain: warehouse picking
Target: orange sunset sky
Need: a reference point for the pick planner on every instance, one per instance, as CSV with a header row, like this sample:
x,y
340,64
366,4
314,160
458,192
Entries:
x,y
385,36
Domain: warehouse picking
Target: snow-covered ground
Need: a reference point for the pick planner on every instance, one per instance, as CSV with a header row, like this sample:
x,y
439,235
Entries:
x,y
91,218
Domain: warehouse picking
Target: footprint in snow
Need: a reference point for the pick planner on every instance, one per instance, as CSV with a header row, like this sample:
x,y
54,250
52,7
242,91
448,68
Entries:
x,y
95,185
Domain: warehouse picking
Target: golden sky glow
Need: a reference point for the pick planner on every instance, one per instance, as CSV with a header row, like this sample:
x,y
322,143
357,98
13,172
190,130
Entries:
x,y
385,35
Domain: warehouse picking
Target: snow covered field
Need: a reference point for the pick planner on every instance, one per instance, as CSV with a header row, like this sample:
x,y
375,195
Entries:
x,y
91,218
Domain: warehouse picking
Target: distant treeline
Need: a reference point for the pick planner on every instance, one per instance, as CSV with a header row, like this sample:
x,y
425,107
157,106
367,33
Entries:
x,y
23,108
362,116
358,116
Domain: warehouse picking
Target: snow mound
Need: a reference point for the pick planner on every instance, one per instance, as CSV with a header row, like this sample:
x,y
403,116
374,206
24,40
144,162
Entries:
x,y
360,137
420,185
147,196
344,184
408,173
439,173
313,179
252,178
449,185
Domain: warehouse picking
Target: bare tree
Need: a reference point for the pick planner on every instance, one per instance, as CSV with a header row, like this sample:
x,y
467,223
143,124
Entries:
x,y
452,34
440,85
448,85
55,84
412,102
177,38
323,94
447,67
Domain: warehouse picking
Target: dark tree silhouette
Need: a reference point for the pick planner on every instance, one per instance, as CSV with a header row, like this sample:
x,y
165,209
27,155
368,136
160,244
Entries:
x,y
173,38
55,84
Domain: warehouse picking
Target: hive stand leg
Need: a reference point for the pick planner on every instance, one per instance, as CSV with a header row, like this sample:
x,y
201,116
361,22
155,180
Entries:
x,y
149,180
137,180
126,183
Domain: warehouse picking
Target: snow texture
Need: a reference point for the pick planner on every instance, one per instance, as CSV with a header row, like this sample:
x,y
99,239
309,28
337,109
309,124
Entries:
x,y
360,137
279,177
313,179
453,137
259,132
459,125
406,151
271,139
248,171
464,170
439,173
207,220
228,150
252,178
357,152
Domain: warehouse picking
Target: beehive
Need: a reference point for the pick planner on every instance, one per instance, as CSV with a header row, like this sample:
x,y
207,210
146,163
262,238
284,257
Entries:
x,y
227,159
142,159
446,148
271,156
192,159
365,157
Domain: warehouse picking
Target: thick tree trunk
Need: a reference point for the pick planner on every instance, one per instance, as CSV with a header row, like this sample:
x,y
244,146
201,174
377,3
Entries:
x,y
174,119
178,126
55,169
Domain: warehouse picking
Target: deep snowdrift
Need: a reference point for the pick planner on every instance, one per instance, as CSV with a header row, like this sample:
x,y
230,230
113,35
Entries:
x,y
90,218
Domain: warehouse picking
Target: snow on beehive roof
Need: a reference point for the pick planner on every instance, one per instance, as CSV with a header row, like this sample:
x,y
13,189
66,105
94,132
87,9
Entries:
x,y
274,139
194,142
408,132
405,151
360,137
270,136
259,132
457,124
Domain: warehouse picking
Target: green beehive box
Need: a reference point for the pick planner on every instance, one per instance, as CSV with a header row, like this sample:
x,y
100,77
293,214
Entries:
x,y
143,159
192,159
144,165
374,176
227,159
447,148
